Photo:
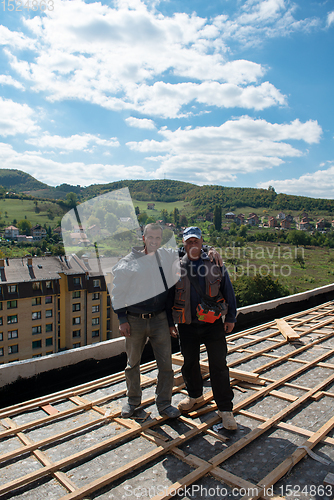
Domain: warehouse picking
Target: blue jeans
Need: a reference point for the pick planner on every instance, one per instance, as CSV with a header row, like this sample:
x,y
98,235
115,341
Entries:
x,y
156,330
213,336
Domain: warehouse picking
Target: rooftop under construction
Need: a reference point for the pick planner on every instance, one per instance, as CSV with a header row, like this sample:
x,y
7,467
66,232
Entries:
x,y
73,444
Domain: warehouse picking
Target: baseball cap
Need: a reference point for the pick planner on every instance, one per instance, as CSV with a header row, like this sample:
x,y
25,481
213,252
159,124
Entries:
x,y
192,232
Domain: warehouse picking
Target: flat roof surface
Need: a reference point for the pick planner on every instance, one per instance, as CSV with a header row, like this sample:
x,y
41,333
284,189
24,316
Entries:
x,y
73,444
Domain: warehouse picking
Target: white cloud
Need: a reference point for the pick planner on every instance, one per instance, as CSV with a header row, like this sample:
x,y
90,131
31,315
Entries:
x,y
217,154
16,118
140,123
15,39
73,143
110,57
330,18
9,80
319,184
72,173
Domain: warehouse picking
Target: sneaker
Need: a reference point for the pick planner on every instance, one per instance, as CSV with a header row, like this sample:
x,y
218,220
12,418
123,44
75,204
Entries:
x,y
170,412
188,403
228,420
128,410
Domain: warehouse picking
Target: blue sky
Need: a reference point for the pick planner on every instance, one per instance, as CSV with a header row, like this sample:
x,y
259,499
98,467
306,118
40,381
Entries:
x,y
229,92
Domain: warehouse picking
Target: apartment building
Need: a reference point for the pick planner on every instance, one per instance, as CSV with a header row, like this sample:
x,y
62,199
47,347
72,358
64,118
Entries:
x,y
50,304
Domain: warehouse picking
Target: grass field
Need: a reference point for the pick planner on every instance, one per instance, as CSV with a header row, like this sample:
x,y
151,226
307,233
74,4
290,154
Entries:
x,y
299,268
12,209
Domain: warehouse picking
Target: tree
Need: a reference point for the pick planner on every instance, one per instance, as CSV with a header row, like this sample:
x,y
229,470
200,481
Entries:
x,y
24,226
142,218
164,215
71,199
183,220
254,289
176,216
111,222
217,217
37,209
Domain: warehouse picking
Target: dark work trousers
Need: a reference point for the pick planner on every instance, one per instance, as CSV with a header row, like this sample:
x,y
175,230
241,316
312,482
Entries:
x,y
212,335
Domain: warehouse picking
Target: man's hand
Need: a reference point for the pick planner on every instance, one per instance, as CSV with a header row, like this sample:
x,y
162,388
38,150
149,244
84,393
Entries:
x,y
124,328
173,331
215,256
228,327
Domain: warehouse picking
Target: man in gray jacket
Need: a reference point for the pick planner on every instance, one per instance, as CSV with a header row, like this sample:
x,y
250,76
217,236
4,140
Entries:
x,y
142,287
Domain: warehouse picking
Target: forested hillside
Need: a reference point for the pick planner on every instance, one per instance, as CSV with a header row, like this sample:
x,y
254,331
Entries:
x,y
202,198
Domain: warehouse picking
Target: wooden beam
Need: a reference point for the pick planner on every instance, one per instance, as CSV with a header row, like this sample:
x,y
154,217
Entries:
x,y
286,330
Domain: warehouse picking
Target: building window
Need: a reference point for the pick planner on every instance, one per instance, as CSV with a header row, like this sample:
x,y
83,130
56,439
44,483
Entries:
x,y
95,333
48,313
12,288
96,283
11,304
95,309
13,334
48,341
36,285
48,300
37,356
77,320
76,345
36,301
12,319
0,306
36,344
1,336
1,320
76,333
36,329
48,328
36,315
76,281
12,349
76,295
48,284
96,296
48,353
76,307
1,351
95,321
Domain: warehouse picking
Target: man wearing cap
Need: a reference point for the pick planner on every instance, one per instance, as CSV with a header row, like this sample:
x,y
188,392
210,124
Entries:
x,y
142,299
203,282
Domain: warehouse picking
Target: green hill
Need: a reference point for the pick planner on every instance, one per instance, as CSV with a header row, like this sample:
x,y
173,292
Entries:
x,y
201,198
18,181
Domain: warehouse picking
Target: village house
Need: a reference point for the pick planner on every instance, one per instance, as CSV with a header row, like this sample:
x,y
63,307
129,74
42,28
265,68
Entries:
x,y
252,220
320,225
150,206
272,221
281,216
304,225
285,224
11,232
230,215
38,232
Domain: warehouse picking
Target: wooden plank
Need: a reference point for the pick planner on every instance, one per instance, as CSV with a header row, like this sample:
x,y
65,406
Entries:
x,y
286,330
293,459
139,462
49,409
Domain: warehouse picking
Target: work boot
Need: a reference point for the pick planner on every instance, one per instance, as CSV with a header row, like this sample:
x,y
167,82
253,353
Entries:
x,y
128,410
188,403
170,412
228,420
